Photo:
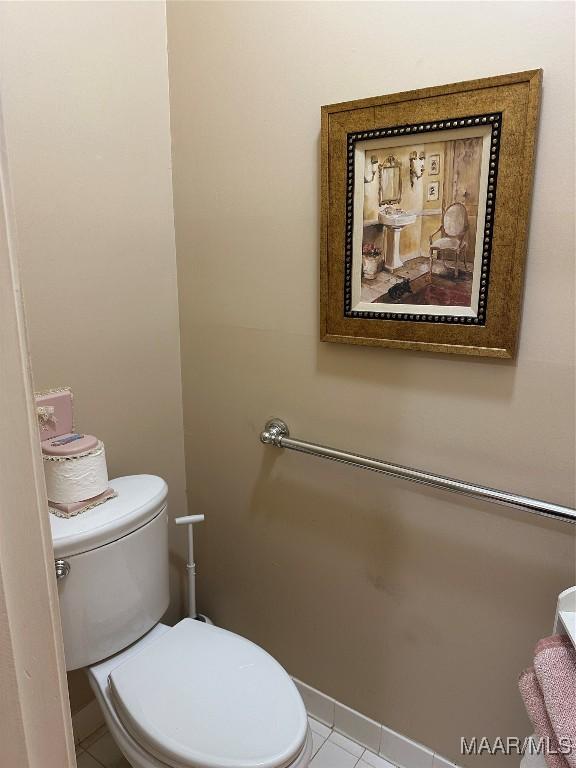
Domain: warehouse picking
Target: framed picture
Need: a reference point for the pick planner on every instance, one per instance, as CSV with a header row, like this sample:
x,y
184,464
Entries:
x,y
433,191
434,165
434,265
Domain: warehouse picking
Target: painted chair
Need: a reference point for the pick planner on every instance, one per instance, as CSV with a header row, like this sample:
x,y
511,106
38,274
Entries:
x,y
454,237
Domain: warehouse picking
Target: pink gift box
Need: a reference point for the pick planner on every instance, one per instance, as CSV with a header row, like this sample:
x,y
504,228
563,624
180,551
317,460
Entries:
x,y
54,411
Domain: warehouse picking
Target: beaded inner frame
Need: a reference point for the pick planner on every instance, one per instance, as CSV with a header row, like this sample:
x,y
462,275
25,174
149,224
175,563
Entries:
x,y
494,119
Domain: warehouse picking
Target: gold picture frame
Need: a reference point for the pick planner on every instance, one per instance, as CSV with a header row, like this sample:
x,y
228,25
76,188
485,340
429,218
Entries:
x,y
441,272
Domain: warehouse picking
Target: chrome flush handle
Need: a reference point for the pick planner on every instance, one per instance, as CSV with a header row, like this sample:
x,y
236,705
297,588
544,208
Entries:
x,y
62,568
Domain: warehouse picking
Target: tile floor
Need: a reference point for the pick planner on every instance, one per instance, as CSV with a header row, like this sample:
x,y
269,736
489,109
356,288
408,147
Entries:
x,y
100,751
329,750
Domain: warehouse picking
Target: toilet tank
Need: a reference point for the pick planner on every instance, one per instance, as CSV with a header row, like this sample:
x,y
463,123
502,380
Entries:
x,y
113,566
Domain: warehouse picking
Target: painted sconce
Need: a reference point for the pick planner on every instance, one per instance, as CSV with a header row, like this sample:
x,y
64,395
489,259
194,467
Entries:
x,y
417,162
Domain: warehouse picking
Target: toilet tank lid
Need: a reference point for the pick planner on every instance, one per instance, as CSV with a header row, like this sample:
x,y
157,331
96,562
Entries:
x,y
140,498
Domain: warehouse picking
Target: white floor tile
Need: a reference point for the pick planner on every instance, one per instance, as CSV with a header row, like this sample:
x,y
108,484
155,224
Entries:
x,y
374,761
332,756
107,753
363,764
317,742
85,743
319,728
84,760
343,741
86,721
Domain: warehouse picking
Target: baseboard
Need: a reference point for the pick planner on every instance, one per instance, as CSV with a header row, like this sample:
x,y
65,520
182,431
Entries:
x,y
86,721
376,737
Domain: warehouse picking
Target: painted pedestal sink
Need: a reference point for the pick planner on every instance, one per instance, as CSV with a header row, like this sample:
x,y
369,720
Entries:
x,y
394,223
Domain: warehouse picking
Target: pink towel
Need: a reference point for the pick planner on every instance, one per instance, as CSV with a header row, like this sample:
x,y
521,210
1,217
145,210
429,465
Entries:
x,y
555,667
536,709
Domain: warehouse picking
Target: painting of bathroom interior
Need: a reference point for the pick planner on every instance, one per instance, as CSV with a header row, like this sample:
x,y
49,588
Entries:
x,y
422,202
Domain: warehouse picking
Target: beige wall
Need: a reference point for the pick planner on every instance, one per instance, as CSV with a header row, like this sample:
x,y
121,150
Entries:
x,y
86,101
413,606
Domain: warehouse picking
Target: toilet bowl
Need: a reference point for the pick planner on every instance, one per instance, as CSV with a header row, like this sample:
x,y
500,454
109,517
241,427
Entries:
x,y
189,696
241,710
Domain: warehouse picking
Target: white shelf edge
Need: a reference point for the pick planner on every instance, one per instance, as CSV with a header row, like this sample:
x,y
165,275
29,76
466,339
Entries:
x,y
568,619
566,614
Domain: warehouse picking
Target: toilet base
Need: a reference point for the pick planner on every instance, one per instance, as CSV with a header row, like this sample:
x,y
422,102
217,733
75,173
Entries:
x,y
134,753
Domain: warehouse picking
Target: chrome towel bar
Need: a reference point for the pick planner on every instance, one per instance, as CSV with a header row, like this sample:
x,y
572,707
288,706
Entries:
x,y
276,433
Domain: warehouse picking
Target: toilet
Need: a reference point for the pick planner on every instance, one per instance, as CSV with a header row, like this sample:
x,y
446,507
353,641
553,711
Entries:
x,y
188,696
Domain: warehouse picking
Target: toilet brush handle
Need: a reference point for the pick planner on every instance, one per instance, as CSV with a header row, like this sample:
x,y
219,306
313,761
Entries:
x,y
189,520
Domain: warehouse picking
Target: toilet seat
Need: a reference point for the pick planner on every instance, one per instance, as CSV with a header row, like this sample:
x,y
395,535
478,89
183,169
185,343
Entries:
x,y
202,697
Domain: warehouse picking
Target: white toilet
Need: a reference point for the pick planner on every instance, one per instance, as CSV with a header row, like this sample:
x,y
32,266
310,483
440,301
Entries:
x,y
189,696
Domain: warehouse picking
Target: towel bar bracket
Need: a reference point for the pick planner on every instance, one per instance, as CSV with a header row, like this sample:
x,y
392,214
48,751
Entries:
x,y
274,431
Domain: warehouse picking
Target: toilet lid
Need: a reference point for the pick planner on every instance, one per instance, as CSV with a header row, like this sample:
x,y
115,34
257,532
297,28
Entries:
x,y
204,697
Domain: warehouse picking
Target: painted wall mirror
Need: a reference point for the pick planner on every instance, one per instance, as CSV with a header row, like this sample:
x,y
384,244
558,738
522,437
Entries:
x,y
389,181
